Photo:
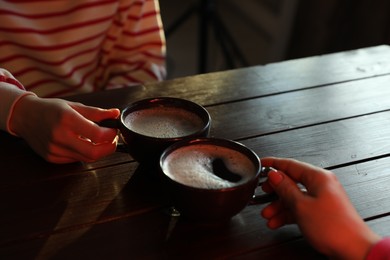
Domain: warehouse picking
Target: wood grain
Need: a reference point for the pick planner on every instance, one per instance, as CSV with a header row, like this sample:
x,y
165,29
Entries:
x,y
331,111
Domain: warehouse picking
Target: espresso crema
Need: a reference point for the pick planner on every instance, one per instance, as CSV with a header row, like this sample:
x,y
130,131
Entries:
x,y
192,166
164,122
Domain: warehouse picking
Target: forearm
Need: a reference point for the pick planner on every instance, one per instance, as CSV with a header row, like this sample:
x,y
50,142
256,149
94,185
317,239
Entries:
x,y
11,91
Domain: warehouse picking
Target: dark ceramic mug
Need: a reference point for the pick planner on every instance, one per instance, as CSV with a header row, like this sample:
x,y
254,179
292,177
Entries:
x,y
150,125
210,179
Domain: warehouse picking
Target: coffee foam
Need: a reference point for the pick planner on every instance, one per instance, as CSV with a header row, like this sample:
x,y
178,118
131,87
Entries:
x,y
192,166
164,122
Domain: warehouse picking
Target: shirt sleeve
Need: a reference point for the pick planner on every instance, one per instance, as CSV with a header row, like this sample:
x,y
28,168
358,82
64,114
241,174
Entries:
x,y
11,91
380,251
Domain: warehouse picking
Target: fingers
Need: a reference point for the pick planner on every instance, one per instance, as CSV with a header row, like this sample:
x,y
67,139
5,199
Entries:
x,y
78,138
281,212
266,187
295,169
287,189
277,215
95,114
310,176
87,128
78,149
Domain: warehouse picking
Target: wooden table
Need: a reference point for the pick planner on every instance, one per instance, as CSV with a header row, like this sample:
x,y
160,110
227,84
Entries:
x,y
332,111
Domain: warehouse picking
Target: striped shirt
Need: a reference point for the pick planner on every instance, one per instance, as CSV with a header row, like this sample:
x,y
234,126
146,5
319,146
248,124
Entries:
x,y
58,48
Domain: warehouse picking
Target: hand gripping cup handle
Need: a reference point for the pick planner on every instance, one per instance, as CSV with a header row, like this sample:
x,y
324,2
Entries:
x,y
266,197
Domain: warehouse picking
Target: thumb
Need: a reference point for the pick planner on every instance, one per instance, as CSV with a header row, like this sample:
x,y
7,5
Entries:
x,y
108,114
285,187
96,114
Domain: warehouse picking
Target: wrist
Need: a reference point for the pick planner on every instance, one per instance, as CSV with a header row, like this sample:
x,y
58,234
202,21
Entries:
x,y
16,115
358,247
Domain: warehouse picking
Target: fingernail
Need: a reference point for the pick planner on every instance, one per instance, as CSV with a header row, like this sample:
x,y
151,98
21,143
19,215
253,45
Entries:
x,y
275,177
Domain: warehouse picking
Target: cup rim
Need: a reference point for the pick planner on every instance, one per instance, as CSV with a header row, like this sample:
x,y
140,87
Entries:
x,y
150,102
221,142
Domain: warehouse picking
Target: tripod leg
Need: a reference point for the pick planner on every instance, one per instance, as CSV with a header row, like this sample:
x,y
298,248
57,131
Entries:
x,y
181,19
224,48
230,40
204,18
207,17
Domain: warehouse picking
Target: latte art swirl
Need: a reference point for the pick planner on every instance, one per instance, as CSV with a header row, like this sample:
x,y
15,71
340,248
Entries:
x,y
193,166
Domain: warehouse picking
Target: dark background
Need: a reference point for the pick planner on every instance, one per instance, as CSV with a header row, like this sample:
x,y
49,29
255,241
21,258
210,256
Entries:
x,y
267,31
336,25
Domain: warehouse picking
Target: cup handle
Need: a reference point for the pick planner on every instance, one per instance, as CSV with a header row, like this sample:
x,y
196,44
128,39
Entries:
x,y
121,147
115,124
110,123
267,197
263,198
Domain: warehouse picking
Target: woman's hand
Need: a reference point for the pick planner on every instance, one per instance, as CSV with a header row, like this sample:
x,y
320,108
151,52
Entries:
x,y
63,131
324,213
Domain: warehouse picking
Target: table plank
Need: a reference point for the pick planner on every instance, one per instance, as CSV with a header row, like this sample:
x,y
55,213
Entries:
x,y
381,226
28,168
357,178
332,144
304,108
96,196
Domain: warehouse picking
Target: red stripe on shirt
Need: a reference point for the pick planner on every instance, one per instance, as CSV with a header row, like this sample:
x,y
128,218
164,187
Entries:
x,y
136,17
151,55
131,65
61,77
59,29
56,47
55,14
141,32
141,46
151,73
142,16
52,63
71,88
131,79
